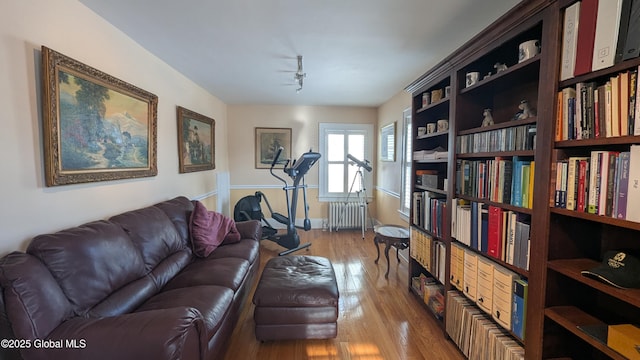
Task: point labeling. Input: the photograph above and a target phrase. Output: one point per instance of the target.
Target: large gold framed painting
(96, 127)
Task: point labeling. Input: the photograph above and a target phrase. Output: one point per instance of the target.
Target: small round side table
(390, 235)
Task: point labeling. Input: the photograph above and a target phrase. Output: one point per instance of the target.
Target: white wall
(28, 206)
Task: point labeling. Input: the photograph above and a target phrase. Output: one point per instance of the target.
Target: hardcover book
(569, 41)
(606, 38)
(586, 36)
(633, 191)
(519, 314)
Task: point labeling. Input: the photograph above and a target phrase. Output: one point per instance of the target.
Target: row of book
(475, 334)
(598, 34)
(491, 230)
(507, 139)
(437, 153)
(429, 253)
(597, 110)
(494, 289)
(429, 210)
(503, 180)
(604, 183)
(431, 291)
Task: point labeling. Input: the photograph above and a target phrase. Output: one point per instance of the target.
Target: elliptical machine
(248, 208)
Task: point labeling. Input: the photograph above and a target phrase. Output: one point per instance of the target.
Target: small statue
(500, 67)
(488, 118)
(525, 111)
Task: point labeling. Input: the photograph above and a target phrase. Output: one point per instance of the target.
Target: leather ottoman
(296, 298)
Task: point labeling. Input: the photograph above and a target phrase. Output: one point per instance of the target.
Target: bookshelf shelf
(622, 66)
(437, 133)
(572, 268)
(430, 189)
(605, 141)
(519, 271)
(497, 204)
(502, 125)
(433, 161)
(495, 154)
(440, 102)
(526, 68)
(597, 218)
(570, 318)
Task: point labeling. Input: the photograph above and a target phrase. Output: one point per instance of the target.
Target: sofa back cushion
(179, 211)
(34, 302)
(152, 232)
(89, 262)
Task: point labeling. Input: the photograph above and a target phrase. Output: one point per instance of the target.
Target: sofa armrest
(174, 333)
(250, 229)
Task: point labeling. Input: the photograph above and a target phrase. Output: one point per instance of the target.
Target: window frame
(334, 128)
(406, 164)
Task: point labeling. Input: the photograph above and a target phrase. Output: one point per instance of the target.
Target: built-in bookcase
(591, 210)
(488, 192)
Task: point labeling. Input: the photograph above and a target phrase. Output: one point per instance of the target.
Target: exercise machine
(248, 208)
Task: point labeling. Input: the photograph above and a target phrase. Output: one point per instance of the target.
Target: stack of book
(476, 334)
(508, 139)
(605, 183)
(429, 210)
(503, 180)
(598, 34)
(433, 154)
(493, 231)
(593, 110)
(429, 253)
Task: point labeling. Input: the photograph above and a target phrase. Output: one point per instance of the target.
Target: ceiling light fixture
(299, 75)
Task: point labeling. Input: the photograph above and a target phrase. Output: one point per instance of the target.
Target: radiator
(346, 215)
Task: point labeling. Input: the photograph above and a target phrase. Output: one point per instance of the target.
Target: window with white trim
(405, 159)
(339, 177)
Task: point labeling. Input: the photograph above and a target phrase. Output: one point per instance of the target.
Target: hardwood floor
(379, 319)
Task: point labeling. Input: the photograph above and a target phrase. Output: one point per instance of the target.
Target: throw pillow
(209, 230)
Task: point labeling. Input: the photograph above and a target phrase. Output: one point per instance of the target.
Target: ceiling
(355, 52)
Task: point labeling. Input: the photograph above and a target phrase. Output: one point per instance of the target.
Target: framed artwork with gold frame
(96, 127)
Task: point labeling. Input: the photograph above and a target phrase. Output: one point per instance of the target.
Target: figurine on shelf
(525, 111)
(488, 118)
(500, 67)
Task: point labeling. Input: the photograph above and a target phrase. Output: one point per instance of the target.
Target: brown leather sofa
(125, 288)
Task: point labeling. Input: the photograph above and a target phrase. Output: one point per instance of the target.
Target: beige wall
(28, 206)
(303, 120)
(388, 176)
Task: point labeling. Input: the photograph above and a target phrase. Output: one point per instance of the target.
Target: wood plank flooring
(379, 319)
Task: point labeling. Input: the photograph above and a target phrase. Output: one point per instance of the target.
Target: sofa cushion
(89, 262)
(125, 299)
(245, 249)
(209, 229)
(213, 302)
(179, 212)
(169, 267)
(34, 302)
(152, 232)
(227, 272)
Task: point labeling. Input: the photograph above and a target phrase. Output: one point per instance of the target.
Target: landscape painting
(97, 127)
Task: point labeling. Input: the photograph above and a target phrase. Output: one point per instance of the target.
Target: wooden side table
(391, 235)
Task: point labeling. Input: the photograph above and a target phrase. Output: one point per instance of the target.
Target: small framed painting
(196, 141)
(268, 141)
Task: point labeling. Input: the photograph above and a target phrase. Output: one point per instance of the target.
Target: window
(405, 159)
(339, 176)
